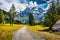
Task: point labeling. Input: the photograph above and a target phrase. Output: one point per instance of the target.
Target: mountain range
(37, 12)
(23, 16)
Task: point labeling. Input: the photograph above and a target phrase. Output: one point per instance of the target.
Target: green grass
(6, 31)
(58, 33)
(37, 27)
(48, 35)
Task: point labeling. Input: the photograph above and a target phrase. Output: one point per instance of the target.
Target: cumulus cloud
(20, 7)
(6, 5)
(49, 5)
(32, 4)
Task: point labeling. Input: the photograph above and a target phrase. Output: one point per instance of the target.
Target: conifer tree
(51, 17)
(31, 19)
(12, 14)
(1, 17)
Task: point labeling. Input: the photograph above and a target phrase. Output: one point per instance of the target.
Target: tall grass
(6, 31)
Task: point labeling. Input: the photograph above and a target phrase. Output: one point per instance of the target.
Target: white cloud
(19, 6)
(12, 1)
(49, 5)
(35, 3)
(31, 4)
(6, 5)
(49, 1)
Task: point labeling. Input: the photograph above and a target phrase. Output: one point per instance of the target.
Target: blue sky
(22, 1)
(21, 5)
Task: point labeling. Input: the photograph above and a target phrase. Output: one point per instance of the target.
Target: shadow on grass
(46, 30)
(50, 31)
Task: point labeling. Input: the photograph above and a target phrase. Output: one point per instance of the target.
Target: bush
(17, 22)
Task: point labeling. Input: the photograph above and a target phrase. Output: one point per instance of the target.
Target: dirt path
(25, 34)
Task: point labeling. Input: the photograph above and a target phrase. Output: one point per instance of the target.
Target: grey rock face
(56, 27)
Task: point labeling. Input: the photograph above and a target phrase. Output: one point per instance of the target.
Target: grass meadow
(48, 35)
(6, 31)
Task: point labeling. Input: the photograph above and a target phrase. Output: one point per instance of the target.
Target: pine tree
(51, 17)
(12, 14)
(1, 17)
(31, 19)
